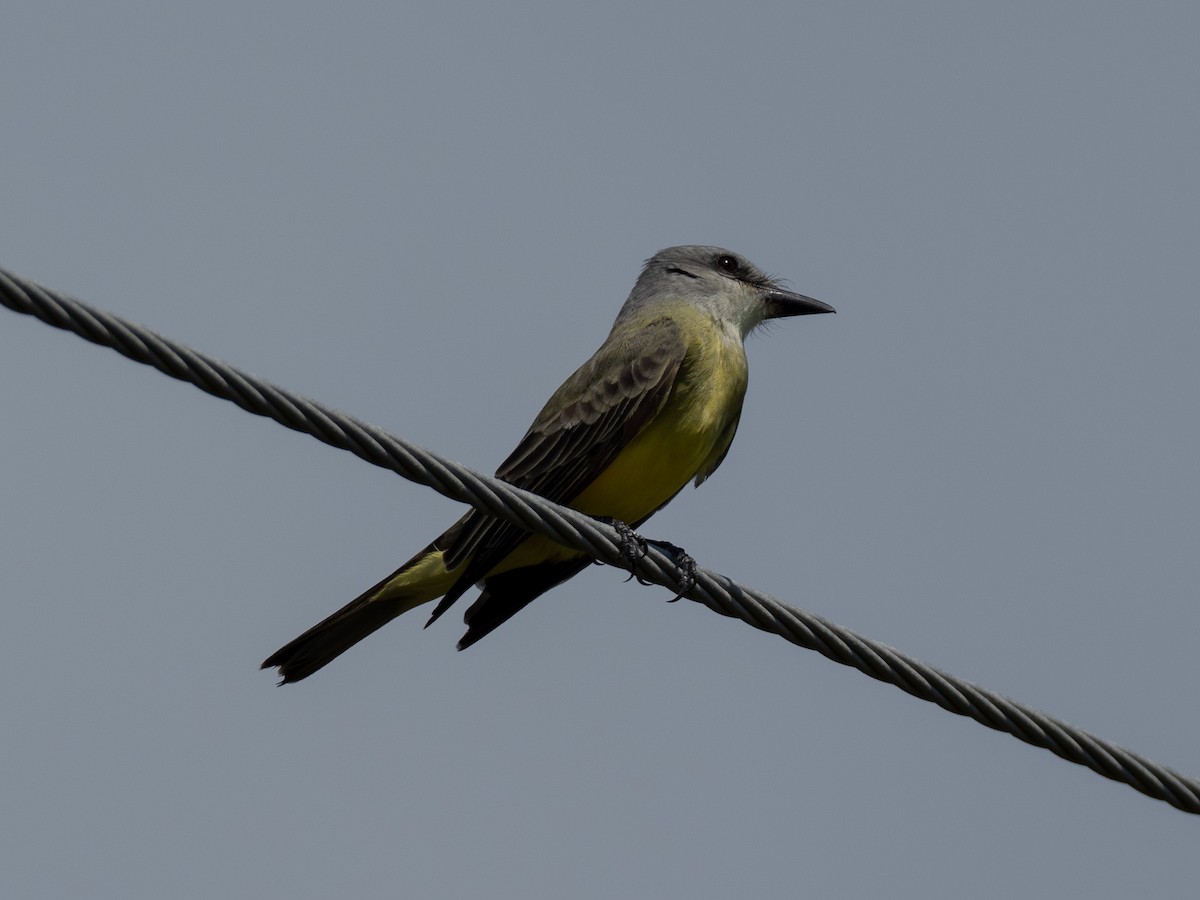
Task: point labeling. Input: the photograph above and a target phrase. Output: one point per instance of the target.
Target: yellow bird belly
(690, 433)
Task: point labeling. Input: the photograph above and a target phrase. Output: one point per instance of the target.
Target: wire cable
(600, 541)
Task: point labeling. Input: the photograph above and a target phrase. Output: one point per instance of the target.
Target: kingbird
(654, 408)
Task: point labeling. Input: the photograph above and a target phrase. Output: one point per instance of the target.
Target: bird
(656, 406)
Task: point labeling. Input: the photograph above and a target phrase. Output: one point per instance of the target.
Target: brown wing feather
(578, 433)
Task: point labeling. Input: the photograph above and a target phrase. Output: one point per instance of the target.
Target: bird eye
(729, 264)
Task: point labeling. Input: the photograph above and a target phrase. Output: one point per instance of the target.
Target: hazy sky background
(427, 215)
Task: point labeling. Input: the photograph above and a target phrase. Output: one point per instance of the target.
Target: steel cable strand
(953, 694)
(301, 414)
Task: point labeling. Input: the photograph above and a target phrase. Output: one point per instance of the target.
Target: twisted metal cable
(601, 541)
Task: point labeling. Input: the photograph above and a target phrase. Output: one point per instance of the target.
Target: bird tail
(508, 593)
(421, 579)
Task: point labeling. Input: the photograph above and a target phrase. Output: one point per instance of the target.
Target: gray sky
(428, 216)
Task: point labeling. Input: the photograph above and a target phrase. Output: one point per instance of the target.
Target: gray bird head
(723, 283)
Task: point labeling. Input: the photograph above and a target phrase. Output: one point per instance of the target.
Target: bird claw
(683, 562)
(633, 548)
(633, 545)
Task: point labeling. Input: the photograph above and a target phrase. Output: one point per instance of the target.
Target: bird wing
(581, 429)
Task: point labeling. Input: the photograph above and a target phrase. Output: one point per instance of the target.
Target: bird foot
(633, 548)
(683, 562)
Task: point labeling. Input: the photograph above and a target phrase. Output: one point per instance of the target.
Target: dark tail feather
(507, 594)
(329, 639)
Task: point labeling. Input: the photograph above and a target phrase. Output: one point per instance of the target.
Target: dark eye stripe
(679, 271)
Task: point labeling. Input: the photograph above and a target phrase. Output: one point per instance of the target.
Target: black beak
(781, 304)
